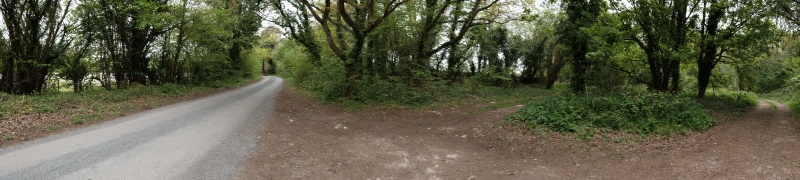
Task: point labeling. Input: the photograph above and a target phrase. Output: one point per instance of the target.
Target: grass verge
(789, 96)
(26, 117)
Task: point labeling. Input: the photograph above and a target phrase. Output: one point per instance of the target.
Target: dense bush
(502, 78)
(328, 79)
(643, 114)
(764, 77)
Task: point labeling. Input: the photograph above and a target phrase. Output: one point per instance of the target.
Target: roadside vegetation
(30, 116)
(64, 63)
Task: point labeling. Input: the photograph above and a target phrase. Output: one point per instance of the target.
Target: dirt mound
(309, 140)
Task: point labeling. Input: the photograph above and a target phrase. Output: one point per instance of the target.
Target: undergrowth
(789, 95)
(96, 100)
(327, 82)
(644, 114)
(727, 101)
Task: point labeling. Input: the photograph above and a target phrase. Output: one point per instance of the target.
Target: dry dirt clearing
(309, 140)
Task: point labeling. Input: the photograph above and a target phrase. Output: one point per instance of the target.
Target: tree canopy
(345, 48)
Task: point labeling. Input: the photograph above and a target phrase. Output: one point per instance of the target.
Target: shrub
(502, 78)
(644, 114)
(764, 77)
(727, 100)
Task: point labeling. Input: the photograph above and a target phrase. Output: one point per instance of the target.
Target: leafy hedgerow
(644, 114)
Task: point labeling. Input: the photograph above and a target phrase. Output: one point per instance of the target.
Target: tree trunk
(7, 81)
(706, 62)
(273, 69)
(34, 28)
(555, 63)
(264, 67)
(703, 76)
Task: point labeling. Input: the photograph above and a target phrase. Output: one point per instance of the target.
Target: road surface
(207, 138)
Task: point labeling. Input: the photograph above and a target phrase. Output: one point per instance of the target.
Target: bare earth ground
(309, 140)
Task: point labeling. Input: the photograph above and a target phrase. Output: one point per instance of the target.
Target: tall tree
(461, 20)
(660, 28)
(361, 18)
(788, 9)
(580, 14)
(294, 16)
(731, 31)
(170, 67)
(36, 39)
(247, 21)
(127, 30)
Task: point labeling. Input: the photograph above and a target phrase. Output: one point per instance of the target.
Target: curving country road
(207, 138)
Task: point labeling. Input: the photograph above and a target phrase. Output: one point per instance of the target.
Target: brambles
(646, 114)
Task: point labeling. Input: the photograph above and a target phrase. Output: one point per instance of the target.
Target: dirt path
(309, 140)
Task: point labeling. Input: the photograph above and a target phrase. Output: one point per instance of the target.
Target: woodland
(118, 44)
(643, 66)
(640, 66)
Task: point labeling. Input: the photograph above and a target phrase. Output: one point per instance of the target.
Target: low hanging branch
(360, 24)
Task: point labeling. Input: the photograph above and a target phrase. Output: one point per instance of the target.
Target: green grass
(85, 118)
(772, 105)
(8, 137)
(787, 95)
(76, 119)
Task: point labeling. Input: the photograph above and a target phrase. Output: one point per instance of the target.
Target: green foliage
(8, 137)
(645, 114)
(76, 119)
(252, 63)
(605, 78)
(789, 95)
(503, 78)
(327, 80)
(31, 43)
(374, 89)
(581, 14)
(728, 101)
(764, 77)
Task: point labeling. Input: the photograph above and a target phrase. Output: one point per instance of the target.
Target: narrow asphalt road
(207, 138)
